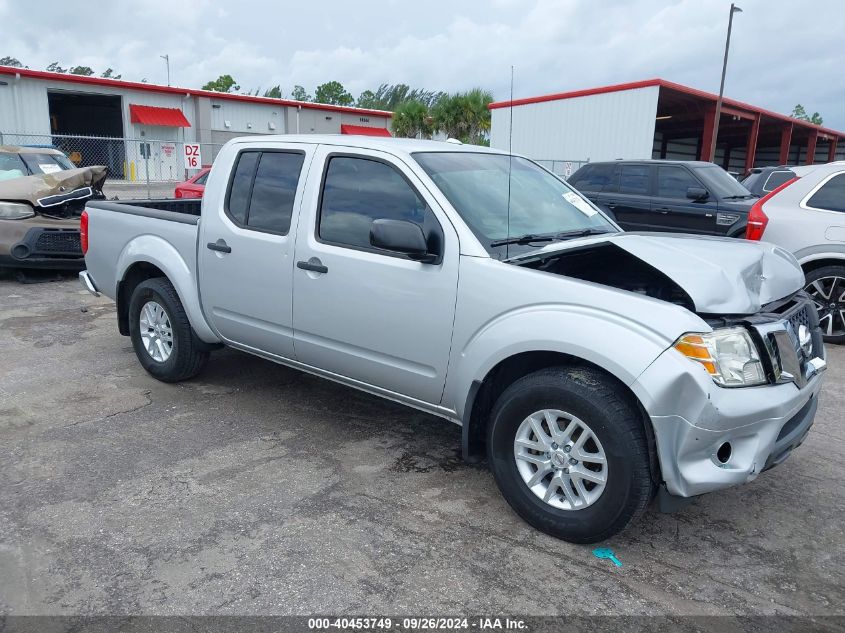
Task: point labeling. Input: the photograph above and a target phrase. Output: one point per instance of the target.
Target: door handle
(314, 265)
(611, 205)
(220, 246)
(663, 210)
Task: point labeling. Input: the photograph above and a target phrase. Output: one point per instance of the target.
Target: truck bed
(184, 211)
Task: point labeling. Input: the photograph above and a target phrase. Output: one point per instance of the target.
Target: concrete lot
(256, 489)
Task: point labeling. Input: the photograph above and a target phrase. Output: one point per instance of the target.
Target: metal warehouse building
(138, 128)
(657, 119)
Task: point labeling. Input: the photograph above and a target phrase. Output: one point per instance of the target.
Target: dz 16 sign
(193, 159)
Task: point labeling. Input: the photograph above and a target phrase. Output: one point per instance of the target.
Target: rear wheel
(826, 287)
(569, 454)
(161, 334)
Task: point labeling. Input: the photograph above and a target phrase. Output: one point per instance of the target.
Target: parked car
(666, 195)
(194, 186)
(39, 213)
(806, 216)
(762, 180)
(595, 367)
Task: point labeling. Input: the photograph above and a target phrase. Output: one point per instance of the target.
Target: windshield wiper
(740, 197)
(528, 238)
(565, 235)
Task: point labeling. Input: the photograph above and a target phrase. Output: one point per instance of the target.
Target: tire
(829, 298)
(185, 357)
(588, 396)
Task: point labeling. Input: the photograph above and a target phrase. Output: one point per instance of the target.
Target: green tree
(10, 61)
(274, 93)
(798, 112)
(55, 68)
(81, 70)
(367, 99)
(224, 83)
(464, 116)
(412, 119)
(109, 74)
(391, 96)
(298, 94)
(333, 93)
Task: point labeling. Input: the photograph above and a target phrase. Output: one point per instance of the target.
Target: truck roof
(406, 145)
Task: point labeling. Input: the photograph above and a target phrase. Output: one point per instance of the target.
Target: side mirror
(401, 236)
(697, 193)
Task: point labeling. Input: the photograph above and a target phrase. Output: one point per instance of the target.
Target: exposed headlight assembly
(15, 211)
(729, 355)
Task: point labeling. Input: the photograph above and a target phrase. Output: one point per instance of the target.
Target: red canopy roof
(364, 130)
(151, 115)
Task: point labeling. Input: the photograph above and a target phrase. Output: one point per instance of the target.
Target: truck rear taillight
(83, 232)
(757, 219)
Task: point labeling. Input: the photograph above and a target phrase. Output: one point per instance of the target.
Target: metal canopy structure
(684, 121)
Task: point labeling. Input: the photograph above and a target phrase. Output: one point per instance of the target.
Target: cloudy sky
(782, 52)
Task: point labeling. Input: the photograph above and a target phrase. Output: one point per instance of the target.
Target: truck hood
(720, 275)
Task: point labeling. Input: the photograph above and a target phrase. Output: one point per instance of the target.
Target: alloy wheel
(828, 293)
(156, 331)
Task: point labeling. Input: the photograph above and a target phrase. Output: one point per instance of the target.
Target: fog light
(20, 251)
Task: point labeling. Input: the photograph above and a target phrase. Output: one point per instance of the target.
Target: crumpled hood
(721, 275)
(33, 188)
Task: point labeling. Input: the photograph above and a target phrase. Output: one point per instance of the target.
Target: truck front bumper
(709, 437)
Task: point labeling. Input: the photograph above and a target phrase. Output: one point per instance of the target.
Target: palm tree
(411, 119)
(464, 116)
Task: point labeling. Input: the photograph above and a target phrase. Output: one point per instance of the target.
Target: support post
(707, 135)
(831, 150)
(785, 142)
(811, 147)
(751, 145)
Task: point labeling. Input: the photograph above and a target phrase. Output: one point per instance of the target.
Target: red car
(193, 187)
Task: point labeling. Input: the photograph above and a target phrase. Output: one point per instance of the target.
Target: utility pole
(734, 9)
(166, 59)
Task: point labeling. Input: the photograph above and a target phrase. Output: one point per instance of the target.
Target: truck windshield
(531, 210)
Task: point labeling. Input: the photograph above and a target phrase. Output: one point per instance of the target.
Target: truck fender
(618, 345)
(154, 250)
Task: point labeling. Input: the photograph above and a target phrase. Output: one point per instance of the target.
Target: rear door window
(830, 196)
(11, 166)
(595, 178)
(634, 179)
(673, 182)
(263, 189)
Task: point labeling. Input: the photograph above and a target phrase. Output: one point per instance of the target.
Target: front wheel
(570, 454)
(826, 287)
(161, 334)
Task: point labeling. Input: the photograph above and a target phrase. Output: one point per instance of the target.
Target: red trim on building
(134, 85)
(811, 148)
(785, 142)
(749, 110)
(364, 130)
(751, 144)
(707, 133)
(831, 150)
(152, 115)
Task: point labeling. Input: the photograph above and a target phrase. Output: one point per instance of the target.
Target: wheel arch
(482, 397)
(809, 266)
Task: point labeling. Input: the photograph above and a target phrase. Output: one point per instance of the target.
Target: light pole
(734, 9)
(166, 59)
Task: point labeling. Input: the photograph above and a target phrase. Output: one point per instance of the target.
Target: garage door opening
(86, 127)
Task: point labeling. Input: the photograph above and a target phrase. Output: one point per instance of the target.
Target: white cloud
(555, 45)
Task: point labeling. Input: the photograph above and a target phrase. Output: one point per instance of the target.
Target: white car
(806, 216)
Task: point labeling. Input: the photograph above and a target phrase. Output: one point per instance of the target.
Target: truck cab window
(357, 191)
(263, 190)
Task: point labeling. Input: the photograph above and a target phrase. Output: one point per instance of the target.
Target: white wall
(594, 127)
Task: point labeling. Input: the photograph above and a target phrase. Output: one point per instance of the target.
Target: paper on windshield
(49, 168)
(579, 203)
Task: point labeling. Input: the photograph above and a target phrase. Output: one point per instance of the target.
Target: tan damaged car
(42, 195)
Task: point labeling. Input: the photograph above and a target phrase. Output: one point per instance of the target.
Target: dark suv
(762, 180)
(666, 195)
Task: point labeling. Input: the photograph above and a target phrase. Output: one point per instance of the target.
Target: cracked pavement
(256, 489)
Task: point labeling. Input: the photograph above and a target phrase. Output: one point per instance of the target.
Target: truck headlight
(15, 211)
(729, 355)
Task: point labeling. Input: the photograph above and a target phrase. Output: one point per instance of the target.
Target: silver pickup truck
(596, 368)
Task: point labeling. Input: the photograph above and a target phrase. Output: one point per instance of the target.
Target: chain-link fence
(562, 168)
(128, 160)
